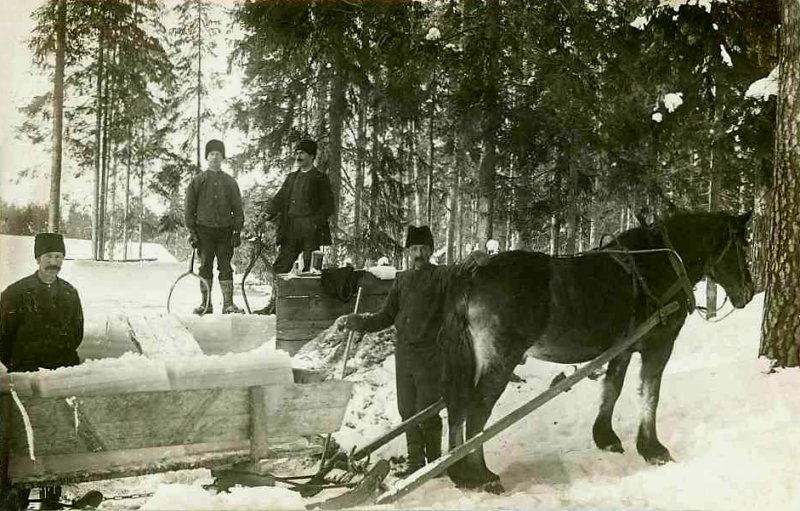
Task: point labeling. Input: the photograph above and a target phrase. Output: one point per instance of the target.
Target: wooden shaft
(404, 426)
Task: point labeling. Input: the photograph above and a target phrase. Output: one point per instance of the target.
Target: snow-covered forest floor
(732, 427)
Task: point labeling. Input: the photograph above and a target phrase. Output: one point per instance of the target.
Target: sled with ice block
(303, 309)
(172, 409)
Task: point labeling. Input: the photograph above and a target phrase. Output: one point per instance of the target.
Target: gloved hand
(194, 239)
(236, 239)
(479, 257)
(351, 322)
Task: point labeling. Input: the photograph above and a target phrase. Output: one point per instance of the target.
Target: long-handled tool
(190, 271)
(317, 478)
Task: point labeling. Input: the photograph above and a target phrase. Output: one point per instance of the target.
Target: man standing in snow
(304, 203)
(41, 326)
(214, 217)
(415, 305)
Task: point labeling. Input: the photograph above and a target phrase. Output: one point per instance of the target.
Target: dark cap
(215, 145)
(307, 146)
(46, 242)
(419, 236)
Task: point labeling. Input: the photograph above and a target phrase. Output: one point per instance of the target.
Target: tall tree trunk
(361, 163)
(127, 207)
(54, 216)
(199, 80)
(416, 196)
(572, 200)
(98, 155)
(141, 205)
(338, 106)
(431, 153)
(487, 171)
(760, 227)
(113, 217)
(781, 322)
(713, 201)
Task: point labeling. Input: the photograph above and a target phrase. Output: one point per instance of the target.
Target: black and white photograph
(400, 254)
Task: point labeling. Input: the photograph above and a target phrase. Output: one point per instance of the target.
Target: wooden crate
(303, 309)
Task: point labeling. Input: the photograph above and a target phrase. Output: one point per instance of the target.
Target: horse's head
(728, 263)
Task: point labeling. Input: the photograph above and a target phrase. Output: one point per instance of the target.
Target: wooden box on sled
(169, 415)
(303, 308)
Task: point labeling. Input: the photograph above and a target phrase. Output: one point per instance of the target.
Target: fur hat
(46, 242)
(307, 146)
(419, 236)
(215, 145)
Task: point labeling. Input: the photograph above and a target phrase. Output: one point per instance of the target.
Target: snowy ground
(732, 428)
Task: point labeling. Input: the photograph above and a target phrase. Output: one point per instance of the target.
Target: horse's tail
(457, 346)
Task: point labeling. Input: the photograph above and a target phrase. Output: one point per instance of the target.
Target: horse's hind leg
(472, 471)
(603, 431)
(654, 358)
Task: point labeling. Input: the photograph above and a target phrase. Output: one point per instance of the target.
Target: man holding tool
(415, 307)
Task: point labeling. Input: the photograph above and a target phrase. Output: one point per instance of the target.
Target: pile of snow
(180, 497)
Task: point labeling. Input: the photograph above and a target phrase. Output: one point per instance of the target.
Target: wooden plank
(129, 421)
(259, 427)
(162, 337)
(307, 409)
(311, 286)
(304, 308)
(79, 467)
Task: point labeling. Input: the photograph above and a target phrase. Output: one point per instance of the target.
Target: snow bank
(177, 497)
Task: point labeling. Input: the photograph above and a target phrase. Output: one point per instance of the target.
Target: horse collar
(680, 271)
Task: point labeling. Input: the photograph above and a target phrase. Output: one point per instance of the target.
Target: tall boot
(416, 451)
(270, 307)
(228, 307)
(206, 296)
(432, 432)
(50, 497)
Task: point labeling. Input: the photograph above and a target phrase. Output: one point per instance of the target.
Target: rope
(25, 419)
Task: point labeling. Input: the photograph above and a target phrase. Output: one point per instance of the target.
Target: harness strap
(680, 270)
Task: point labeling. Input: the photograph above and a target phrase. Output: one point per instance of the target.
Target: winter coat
(415, 305)
(213, 199)
(320, 197)
(40, 329)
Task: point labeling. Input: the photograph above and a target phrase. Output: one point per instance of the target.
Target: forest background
(543, 125)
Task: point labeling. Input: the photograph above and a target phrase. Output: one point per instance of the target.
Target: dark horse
(570, 310)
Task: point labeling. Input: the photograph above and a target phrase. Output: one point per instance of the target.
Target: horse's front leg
(603, 432)
(654, 359)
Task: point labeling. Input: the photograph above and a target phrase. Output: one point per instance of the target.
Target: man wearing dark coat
(41, 325)
(415, 305)
(303, 205)
(214, 218)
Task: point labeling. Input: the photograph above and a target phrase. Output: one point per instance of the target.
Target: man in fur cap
(415, 306)
(303, 205)
(41, 326)
(214, 217)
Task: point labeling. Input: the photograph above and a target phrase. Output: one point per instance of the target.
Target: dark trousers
(215, 242)
(418, 379)
(301, 238)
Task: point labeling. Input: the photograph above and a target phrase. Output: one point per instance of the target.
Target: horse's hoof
(494, 487)
(617, 447)
(656, 455)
